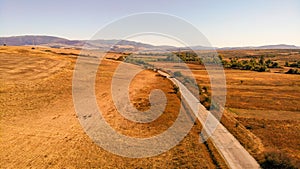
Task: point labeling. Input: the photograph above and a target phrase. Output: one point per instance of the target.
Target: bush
(188, 80)
(205, 89)
(200, 89)
(176, 89)
(277, 160)
(293, 71)
(287, 64)
(296, 64)
(262, 69)
(177, 74)
(275, 65)
(249, 127)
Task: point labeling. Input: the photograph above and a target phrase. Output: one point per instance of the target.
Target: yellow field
(39, 126)
(264, 104)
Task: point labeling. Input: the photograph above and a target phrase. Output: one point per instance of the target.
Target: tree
(220, 57)
(287, 64)
(293, 71)
(261, 60)
(268, 62)
(262, 68)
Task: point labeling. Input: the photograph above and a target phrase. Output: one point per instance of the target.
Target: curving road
(234, 154)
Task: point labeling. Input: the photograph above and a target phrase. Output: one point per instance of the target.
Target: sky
(224, 22)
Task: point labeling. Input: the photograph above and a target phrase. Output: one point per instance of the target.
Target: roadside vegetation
(276, 160)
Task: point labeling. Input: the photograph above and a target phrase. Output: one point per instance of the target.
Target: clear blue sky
(223, 22)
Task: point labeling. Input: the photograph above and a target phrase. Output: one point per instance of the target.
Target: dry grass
(262, 107)
(38, 124)
(276, 54)
(265, 104)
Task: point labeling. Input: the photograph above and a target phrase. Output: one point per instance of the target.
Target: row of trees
(138, 61)
(260, 65)
(192, 57)
(186, 56)
(295, 64)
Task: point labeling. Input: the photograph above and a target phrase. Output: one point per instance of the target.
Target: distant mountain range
(279, 46)
(114, 45)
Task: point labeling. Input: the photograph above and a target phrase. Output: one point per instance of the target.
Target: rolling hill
(115, 45)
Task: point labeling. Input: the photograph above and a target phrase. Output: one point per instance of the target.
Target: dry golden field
(39, 126)
(276, 54)
(262, 110)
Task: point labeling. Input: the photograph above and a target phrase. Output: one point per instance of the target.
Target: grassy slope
(38, 125)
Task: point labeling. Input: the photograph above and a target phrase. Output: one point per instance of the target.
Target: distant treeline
(186, 56)
(260, 65)
(253, 63)
(192, 57)
(295, 64)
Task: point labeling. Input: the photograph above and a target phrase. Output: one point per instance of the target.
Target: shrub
(200, 89)
(295, 64)
(188, 80)
(287, 64)
(275, 65)
(205, 89)
(177, 74)
(293, 71)
(237, 124)
(176, 89)
(249, 127)
(277, 160)
(262, 69)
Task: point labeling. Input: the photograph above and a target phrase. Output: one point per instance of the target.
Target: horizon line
(149, 43)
